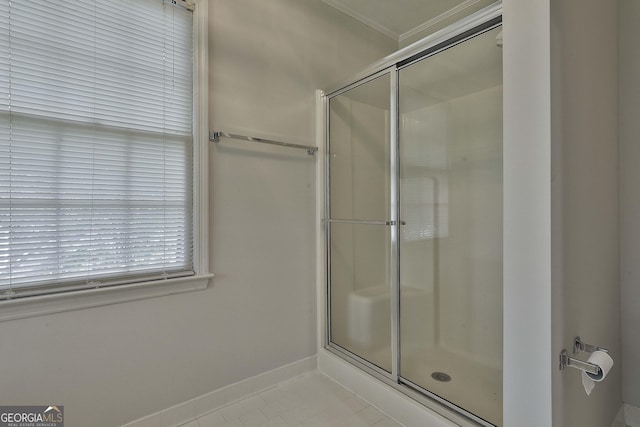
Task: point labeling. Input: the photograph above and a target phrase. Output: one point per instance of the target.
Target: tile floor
(310, 400)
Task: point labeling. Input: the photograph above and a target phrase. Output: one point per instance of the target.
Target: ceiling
(401, 19)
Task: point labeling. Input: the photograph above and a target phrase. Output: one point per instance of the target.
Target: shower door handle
(357, 221)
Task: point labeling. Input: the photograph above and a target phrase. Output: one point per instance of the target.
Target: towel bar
(215, 137)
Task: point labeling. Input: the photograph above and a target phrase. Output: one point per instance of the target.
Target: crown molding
(337, 4)
(359, 17)
(438, 19)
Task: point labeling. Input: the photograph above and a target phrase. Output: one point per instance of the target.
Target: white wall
(267, 54)
(561, 207)
(528, 360)
(268, 57)
(113, 364)
(629, 74)
(585, 202)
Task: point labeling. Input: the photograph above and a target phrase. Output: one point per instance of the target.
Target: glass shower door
(450, 129)
(358, 224)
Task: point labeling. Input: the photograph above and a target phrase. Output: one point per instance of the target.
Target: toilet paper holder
(578, 346)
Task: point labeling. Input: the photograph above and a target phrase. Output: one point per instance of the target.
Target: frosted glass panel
(360, 294)
(451, 243)
(359, 152)
(360, 306)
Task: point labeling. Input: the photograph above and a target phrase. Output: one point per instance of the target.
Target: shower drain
(441, 376)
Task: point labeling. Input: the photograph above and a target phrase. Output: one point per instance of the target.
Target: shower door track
(465, 29)
(441, 406)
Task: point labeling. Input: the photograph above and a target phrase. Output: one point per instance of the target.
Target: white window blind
(424, 207)
(95, 143)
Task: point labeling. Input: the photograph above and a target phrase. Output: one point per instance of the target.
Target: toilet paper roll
(605, 362)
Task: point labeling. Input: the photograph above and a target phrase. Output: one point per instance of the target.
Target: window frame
(18, 308)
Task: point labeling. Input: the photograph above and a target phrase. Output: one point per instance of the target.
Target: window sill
(68, 301)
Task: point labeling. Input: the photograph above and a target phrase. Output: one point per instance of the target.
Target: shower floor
(475, 387)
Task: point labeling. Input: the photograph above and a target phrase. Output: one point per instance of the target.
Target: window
(425, 207)
(96, 144)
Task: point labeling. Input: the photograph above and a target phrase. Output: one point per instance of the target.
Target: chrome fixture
(578, 346)
(215, 137)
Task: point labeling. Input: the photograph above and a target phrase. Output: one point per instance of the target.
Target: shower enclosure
(414, 219)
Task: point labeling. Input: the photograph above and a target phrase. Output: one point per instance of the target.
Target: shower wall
(474, 306)
(460, 169)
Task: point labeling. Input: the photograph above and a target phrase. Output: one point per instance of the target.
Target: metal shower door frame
(463, 30)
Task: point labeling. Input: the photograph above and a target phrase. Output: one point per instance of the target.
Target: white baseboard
(619, 421)
(202, 405)
(631, 415)
(395, 404)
